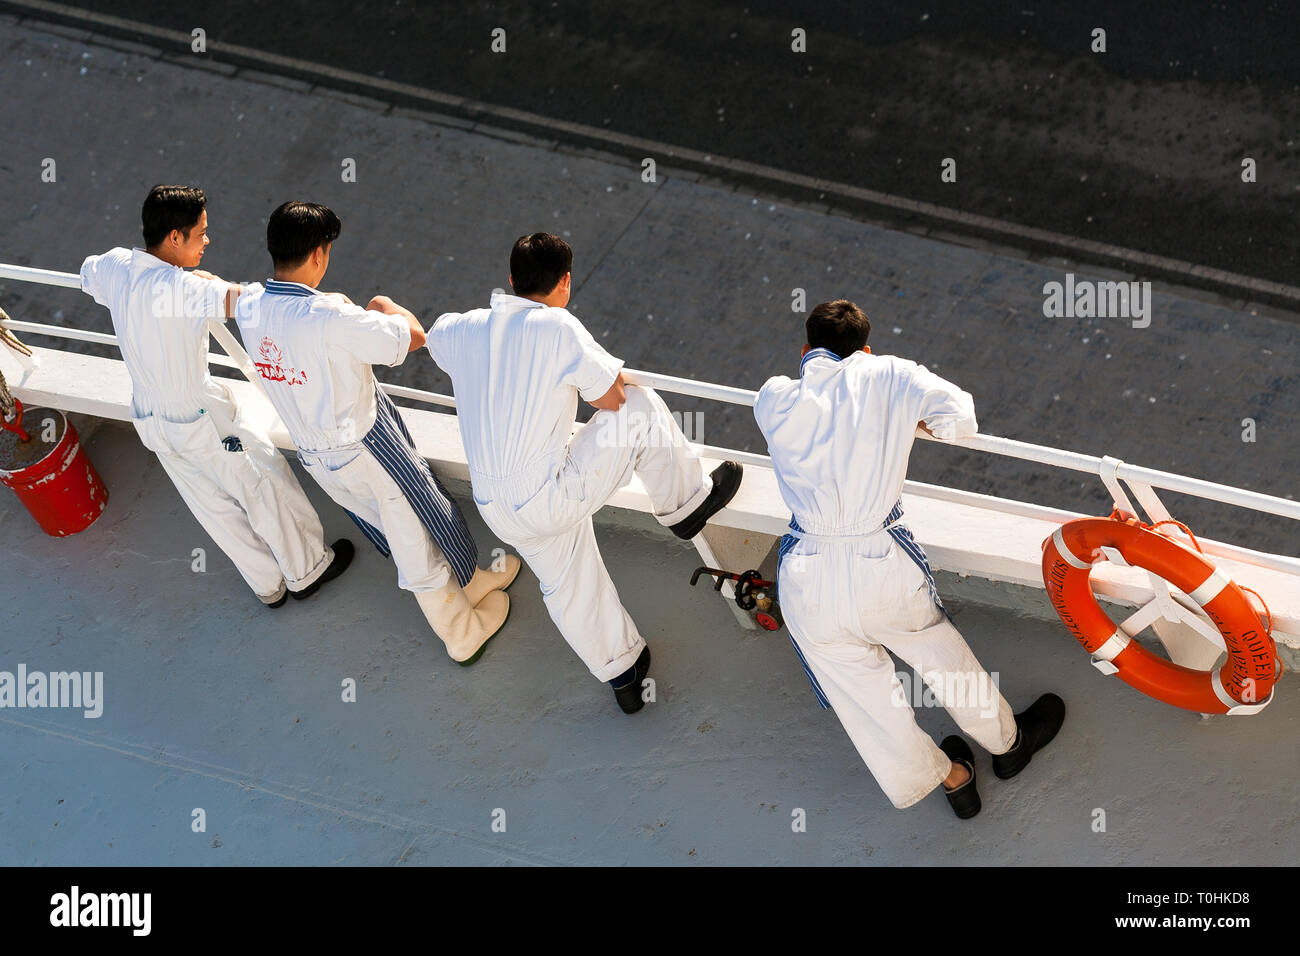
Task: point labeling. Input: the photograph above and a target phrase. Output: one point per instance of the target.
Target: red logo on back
(271, 367)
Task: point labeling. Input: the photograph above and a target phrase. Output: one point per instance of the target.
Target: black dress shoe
(280, 603)
(629, 694)
(1035, 729)
(343, 552)
(964, 800)
(726, 482)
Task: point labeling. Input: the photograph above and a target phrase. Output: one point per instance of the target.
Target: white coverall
(518, 369)
(314, 353)
(247, 500)
(840, 436)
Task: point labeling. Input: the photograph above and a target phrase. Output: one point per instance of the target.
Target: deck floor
(213, 702)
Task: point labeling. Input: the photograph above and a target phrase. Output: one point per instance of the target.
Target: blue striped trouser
(902, 536)
(391, 444)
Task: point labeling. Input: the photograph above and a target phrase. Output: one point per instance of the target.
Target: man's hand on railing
(613, 399)
(382, 303)
(233, 289)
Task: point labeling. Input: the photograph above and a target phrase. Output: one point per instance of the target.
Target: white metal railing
(1111, 470)
(68, 280)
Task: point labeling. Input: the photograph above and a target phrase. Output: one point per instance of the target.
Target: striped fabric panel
(278, 287)
(788, 542)
(902, 535)
(391, 444)
(817, 353)
(373, 534)
(812, 678)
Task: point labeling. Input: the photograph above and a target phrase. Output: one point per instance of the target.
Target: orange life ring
(1252, 667)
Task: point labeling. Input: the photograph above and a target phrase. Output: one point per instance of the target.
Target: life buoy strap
(1066, 554)
(1216, 682)
(1112, 647)
(1210, 588)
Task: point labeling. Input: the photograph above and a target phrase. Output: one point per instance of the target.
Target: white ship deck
(212, 701)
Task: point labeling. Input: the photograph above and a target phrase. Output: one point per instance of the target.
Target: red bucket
(50, 472)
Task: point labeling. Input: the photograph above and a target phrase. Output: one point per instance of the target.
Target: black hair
(839, 326)
(538, 263)
(296, 228)
(170, 207)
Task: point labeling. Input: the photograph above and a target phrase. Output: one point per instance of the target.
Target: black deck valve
(752, 594)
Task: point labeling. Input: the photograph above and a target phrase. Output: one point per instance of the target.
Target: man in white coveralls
(314, 352)
(238, 486)
(518, 370)
(854, 584)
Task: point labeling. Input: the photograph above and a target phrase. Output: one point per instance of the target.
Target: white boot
(463, 627)
(484, 582)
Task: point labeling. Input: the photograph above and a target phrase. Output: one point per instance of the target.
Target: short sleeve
(205, 299)
(248, 306)
(438, 341)
(98, 274)
(375, 338)
(763, 402)
(948, 411)
(90, 282)
(582, 362)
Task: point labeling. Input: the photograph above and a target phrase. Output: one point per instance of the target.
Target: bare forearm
(949, 427)
(233, 290)
(382, 303)
(613, 399)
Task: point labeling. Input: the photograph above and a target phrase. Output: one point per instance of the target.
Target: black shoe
(964, 800)
(343, 552)
(629, 695)
(1035, 729)
(280, 603)
(726, 482)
